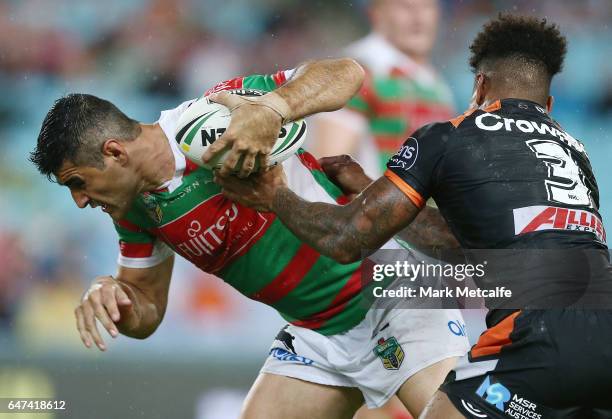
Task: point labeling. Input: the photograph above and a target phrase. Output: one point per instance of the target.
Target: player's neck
(494, 96)
(157, 164)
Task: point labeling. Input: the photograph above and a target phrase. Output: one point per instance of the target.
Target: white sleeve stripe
(289, 73)
(161, 252)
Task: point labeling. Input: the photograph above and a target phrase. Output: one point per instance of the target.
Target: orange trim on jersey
(413, 195)
(495, 106)
(494, 339)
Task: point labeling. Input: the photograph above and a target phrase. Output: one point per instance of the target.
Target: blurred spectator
(402, 91)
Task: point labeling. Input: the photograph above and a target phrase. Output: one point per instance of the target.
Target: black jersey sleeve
(414, 169)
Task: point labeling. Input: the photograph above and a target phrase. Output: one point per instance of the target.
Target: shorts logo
(494, 393)
(286, 339)
(456, 328)
(284, 355)
(390, 353)
(407, 155)
(472, 410)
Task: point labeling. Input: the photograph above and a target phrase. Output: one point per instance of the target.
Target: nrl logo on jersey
(152, 207)
(390, 353)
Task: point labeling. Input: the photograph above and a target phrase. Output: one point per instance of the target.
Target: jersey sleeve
(363, 101)
(138, 248)
(414, 169)
(265, 82)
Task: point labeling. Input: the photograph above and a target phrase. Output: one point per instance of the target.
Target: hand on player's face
(252, 132)
(103, 301)
(346, 173)
(256, 191)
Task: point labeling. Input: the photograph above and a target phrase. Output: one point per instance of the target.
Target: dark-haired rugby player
(505, 175)
(336, 351)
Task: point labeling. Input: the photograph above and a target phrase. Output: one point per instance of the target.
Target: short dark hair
(74, 130)
(525, 40)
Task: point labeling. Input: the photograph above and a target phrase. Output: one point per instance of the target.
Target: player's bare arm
(340, 232)
(317, 86)
(428, 230)
(132, 303)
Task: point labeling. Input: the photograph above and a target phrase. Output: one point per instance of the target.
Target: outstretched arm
(317, 86)
(340, 232)
(132, 303)
(428, 230)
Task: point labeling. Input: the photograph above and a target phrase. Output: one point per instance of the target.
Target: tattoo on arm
(344, 232)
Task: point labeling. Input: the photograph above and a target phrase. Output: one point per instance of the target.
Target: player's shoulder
(434, 130)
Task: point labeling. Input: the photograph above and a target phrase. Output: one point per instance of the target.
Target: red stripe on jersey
(235, 83)
(310, 161)
(279, 78)
(136, 250)
(343, 200)
(290, 277)
(189, 167)
(129, 226)
(352, 287)
(390, 143)
(440, 111)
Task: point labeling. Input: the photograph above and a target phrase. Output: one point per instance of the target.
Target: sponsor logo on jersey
(390, 353)
(284, 355)
(491, 122)
(456, 327)
(541, 217)
(214, 232)
(191, 187)
(498, 395)
(406, 156)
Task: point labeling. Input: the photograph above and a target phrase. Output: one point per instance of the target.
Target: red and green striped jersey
(398, 95)
(254, 252)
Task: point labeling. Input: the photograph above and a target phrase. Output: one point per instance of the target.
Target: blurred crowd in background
(150, 55)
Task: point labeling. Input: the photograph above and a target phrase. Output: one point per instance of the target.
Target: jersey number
(565, 183)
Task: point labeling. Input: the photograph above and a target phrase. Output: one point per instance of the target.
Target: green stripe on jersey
(388, 126)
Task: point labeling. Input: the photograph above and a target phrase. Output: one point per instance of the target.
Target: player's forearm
(428, 231)
(145, 314)
(327, 228)
(321, 86)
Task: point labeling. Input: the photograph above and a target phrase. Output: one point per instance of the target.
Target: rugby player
(505, 175)
(335, 352)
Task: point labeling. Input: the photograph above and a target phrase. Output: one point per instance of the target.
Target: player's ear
(115, 150)
(549, 104)
(481, 88)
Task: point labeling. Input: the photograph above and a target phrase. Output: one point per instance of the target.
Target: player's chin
(116, 213)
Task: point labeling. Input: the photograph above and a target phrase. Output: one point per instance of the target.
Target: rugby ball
(203, 122)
